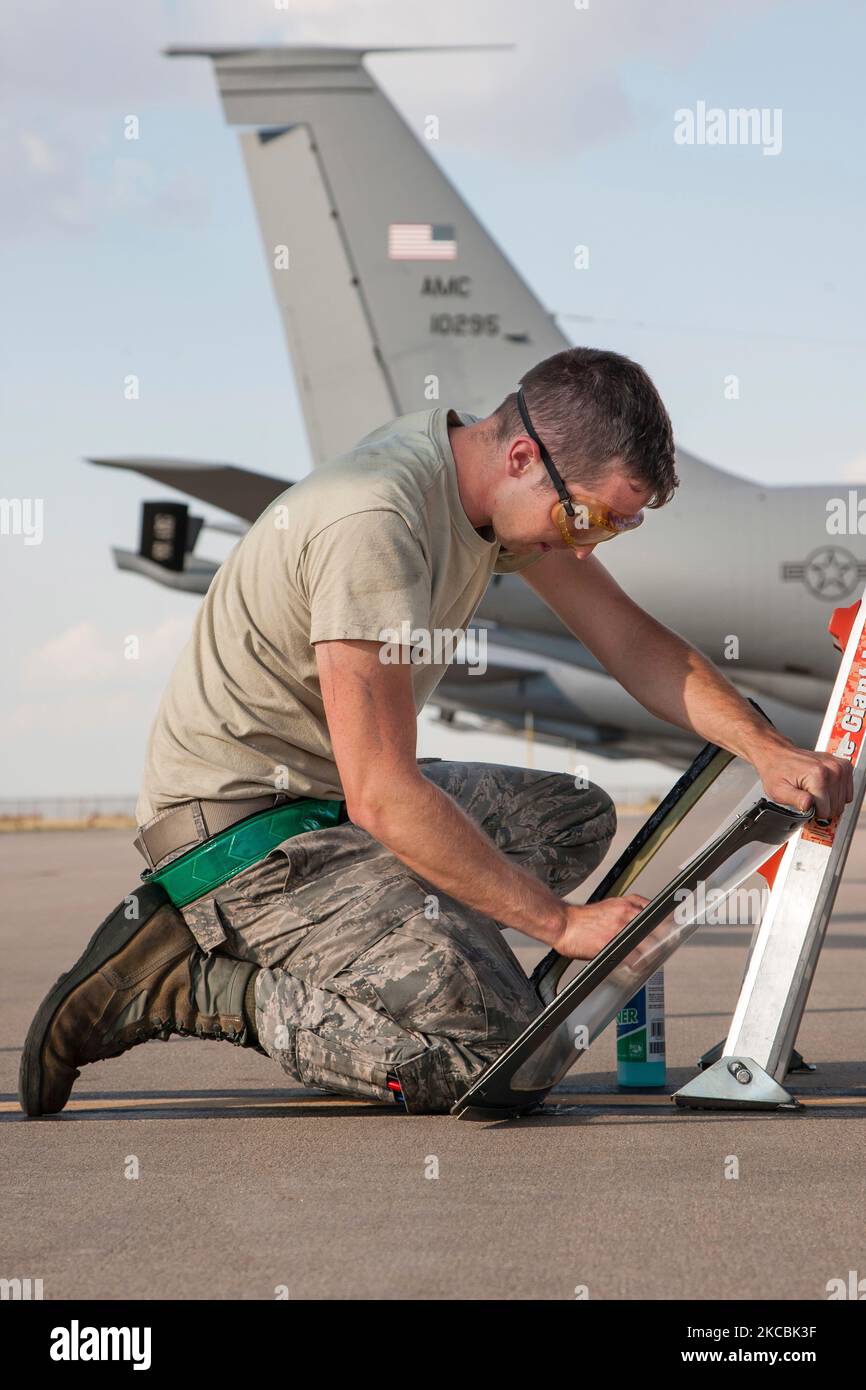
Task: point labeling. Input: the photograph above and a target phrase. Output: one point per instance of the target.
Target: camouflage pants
(367, 970)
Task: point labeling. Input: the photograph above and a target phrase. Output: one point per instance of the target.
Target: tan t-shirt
(371, 541)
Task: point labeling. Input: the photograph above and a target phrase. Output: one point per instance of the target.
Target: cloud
(37, 153)
(79, 715)
(69, 183)
(78, 654)
(81, 712)
(85, 654)
(70, 70)
(563, 88)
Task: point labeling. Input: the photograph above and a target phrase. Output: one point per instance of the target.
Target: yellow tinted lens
(560, 516)
(574, 533)
(591, 525)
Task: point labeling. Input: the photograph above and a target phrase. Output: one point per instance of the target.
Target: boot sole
(115, 932)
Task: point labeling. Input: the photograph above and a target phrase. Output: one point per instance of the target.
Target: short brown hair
(590, 407)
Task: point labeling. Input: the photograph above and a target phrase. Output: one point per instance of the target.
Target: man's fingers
(631, 904)
(804, 779)
(845, 785)
(832, 779)
(636, 901)
(639, 954)
(818, 784)
(823, 807)
(828, 787)
(836, 780)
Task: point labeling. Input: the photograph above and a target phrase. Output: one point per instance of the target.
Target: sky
(706, 262)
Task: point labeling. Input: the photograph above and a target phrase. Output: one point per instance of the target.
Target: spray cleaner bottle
(640, 1036)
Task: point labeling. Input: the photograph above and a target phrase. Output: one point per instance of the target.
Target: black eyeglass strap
(552, 471)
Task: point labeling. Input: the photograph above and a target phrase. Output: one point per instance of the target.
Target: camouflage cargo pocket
(421, 980)
(322, 1063)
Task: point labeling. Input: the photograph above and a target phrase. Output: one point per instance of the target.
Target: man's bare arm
(371, 718)
(676, 682)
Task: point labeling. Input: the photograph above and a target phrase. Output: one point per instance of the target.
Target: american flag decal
(421, 241)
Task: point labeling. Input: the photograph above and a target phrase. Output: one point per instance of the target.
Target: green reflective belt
(210, 864)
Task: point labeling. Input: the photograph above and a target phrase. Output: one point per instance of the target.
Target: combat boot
(142, 976)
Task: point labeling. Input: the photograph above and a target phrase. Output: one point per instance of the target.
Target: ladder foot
(735, 1083)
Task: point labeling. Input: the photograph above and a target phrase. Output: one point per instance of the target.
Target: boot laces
(166, 1028)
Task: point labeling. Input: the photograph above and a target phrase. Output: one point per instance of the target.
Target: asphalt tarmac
(249, 1187)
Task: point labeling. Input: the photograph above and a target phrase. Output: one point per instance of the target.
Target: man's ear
(521, 456)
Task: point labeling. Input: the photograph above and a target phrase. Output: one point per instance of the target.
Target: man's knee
(434, 1080)
(468, 1000)
(576, 835)
(596, 818)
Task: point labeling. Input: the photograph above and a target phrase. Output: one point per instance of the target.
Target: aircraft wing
(194, 578)
(240, 491)
(572, 697)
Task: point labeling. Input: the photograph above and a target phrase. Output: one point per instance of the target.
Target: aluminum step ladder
(759, 1048)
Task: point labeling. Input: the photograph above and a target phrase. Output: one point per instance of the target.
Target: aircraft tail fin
(392, 294)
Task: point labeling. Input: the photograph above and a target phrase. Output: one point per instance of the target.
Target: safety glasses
(584, 520)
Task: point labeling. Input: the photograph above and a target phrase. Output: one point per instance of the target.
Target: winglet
(841, 623)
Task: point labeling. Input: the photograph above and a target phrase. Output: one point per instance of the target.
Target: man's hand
(800, 777)
(587, 929)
